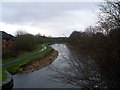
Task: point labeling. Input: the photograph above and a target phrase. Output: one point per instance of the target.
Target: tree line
(28, 42)
(25, 41)
(102, 42)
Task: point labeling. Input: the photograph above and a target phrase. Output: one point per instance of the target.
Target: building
(7, 42)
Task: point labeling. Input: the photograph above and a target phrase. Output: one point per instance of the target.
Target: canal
(45, 77)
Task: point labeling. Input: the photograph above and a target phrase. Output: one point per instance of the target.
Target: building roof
(7, 36)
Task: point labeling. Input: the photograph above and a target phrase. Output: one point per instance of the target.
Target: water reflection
(43, 78)
(64, 64)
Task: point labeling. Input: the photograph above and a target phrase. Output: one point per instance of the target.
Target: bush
(104, 49)
(25, 42)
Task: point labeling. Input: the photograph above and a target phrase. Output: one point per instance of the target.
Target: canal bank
(46, 56)
(39, 63)
(46, 77)
(8, 83)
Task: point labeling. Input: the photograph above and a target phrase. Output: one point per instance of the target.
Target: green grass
(0, 75)
(24, 53)
(15, 66)
(4, 75)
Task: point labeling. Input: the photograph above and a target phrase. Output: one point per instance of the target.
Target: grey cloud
(23, 12)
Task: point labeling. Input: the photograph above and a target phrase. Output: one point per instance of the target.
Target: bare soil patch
(39, 62)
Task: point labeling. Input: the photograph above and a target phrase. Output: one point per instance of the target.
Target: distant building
(7, 42)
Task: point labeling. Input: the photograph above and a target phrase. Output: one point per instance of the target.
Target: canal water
(45, 77)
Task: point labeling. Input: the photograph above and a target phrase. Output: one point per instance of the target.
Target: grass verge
(23, 53)
(4, 75)
(12, 68)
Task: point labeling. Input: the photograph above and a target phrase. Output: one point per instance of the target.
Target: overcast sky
(47, 18)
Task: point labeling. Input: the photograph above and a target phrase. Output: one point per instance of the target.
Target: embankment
(39, 62)
(8, 83)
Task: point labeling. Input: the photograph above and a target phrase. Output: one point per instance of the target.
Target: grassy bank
(13, 68)
(39, 63)
(22, 54)
(4, 76)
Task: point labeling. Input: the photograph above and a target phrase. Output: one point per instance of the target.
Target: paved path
(25, 57)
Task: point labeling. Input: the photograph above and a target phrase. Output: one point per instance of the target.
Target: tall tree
(110, 15)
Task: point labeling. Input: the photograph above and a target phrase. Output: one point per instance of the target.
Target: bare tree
(90, 29)
(81, 71)
(109, 16)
